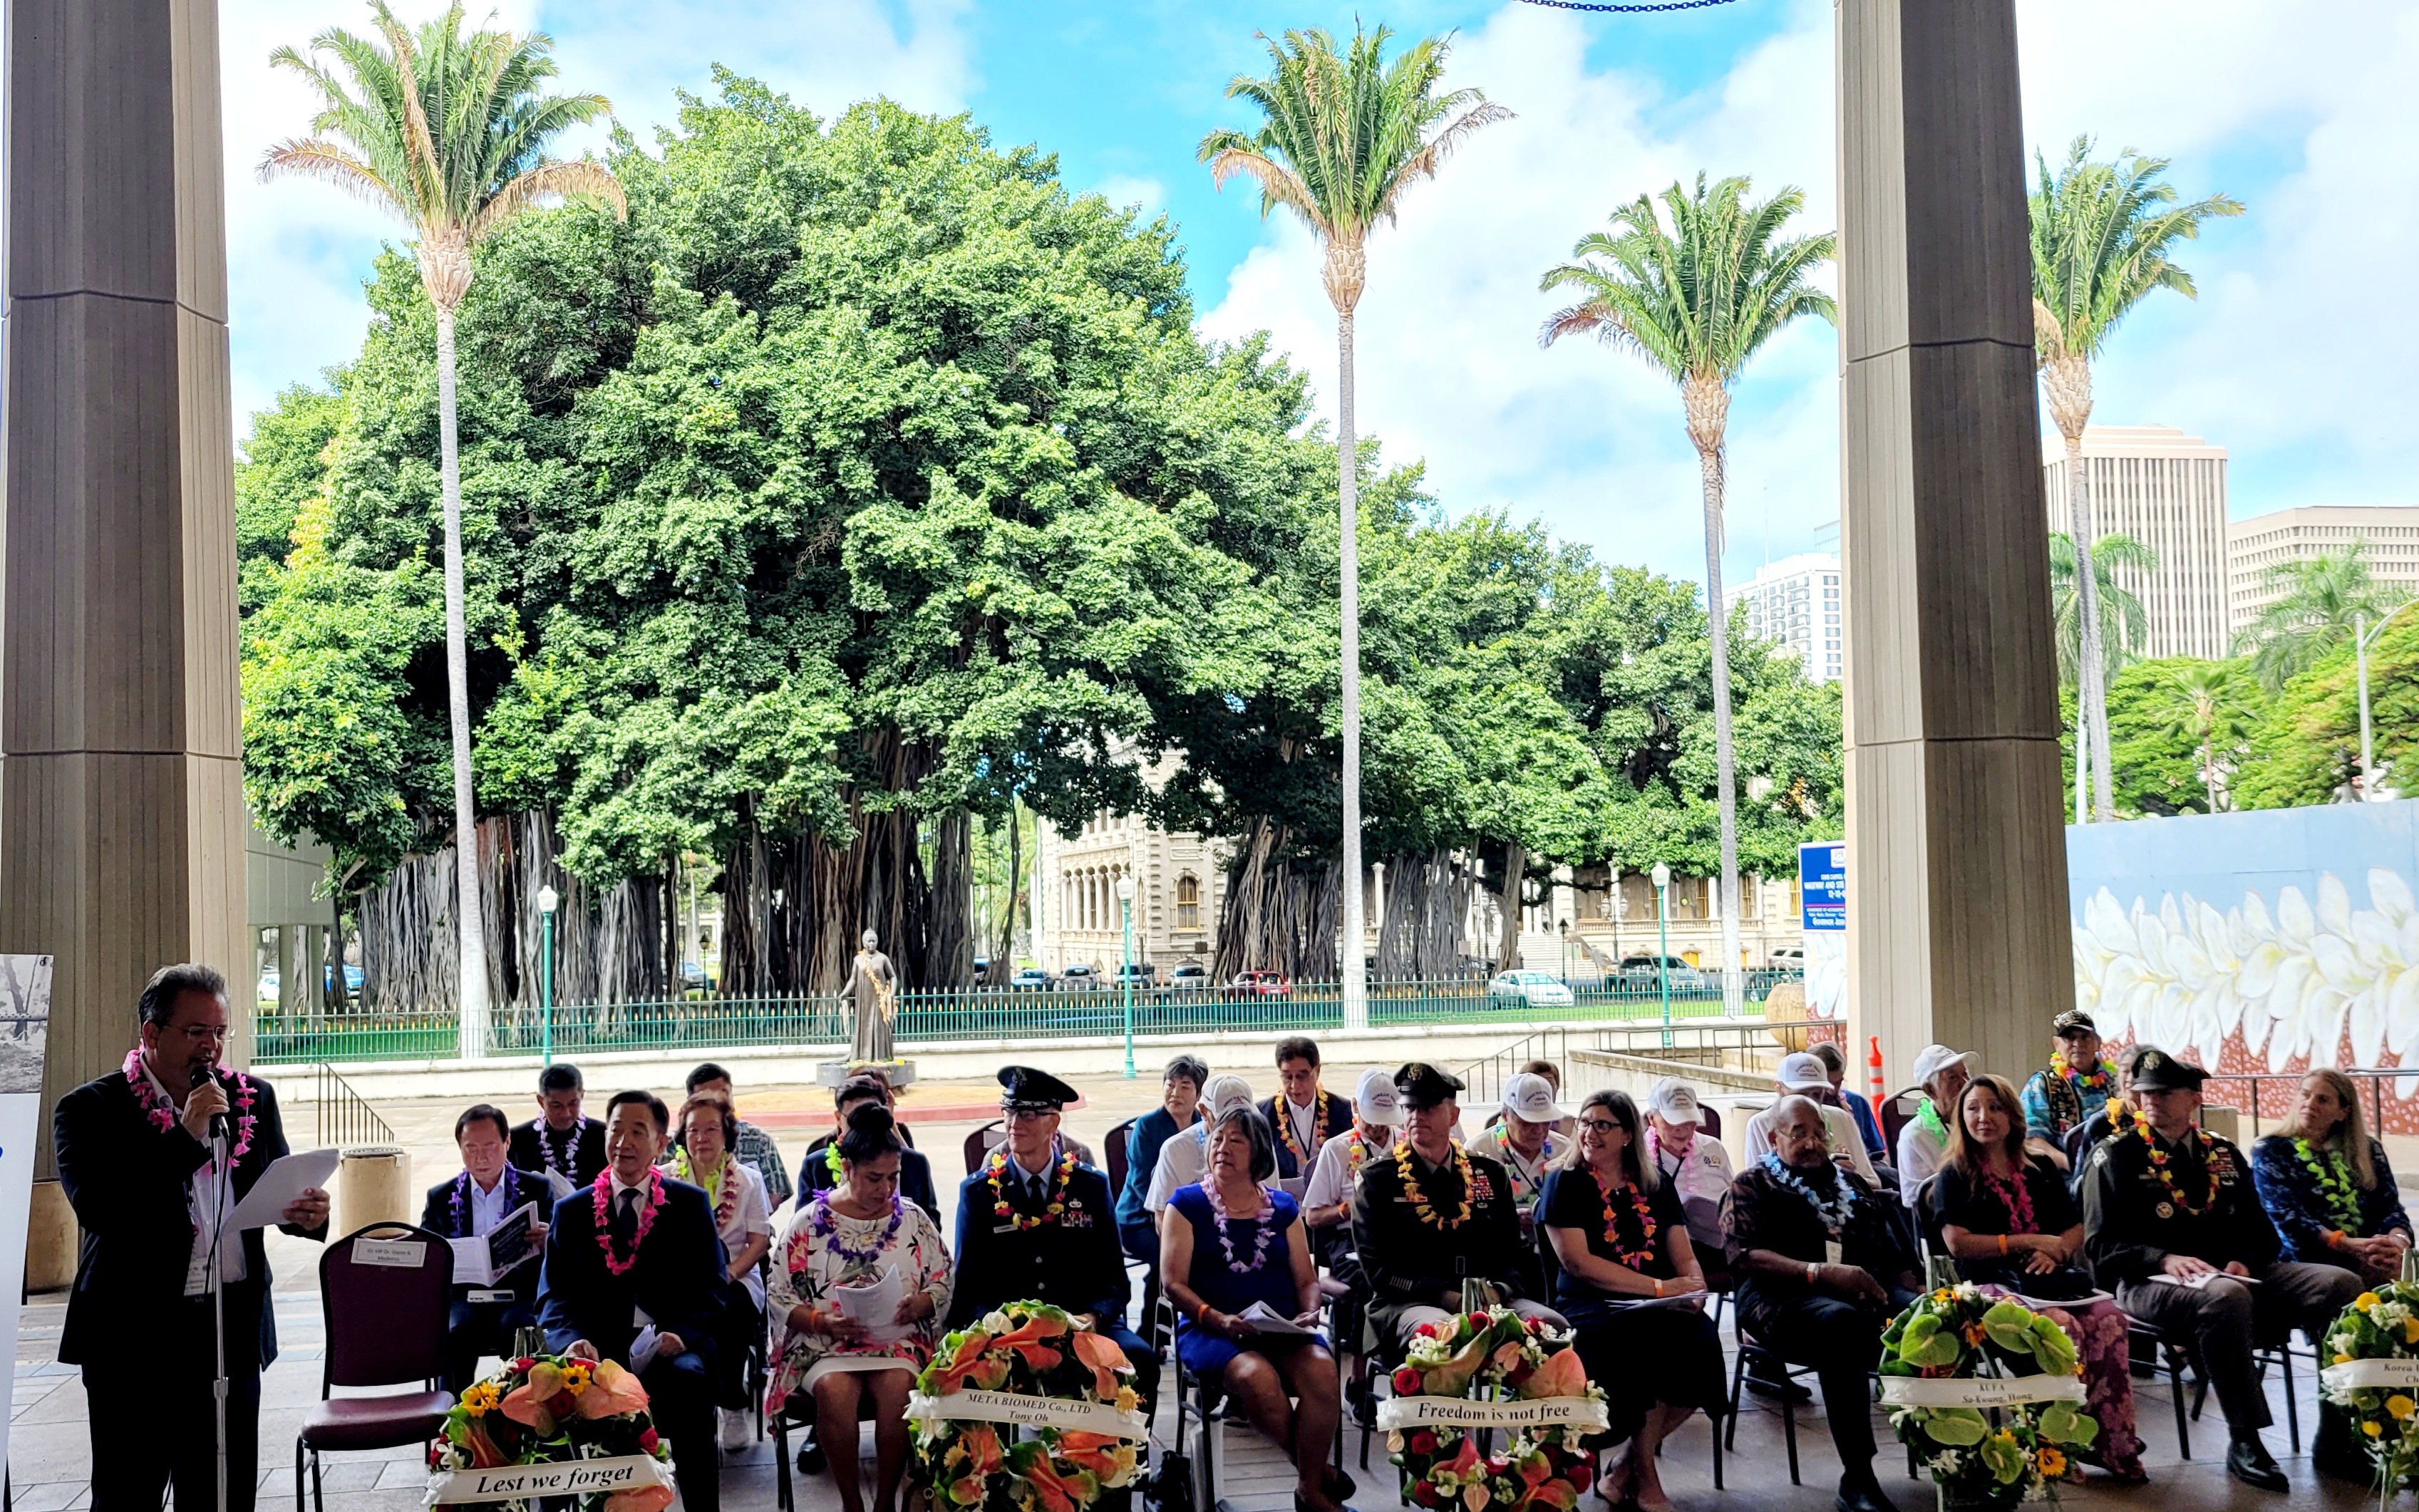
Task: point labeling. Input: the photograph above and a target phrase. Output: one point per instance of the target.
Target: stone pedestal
(899, 1074)
(373, 1185)
(121, 800)
(50, 1239)
(1957, 912)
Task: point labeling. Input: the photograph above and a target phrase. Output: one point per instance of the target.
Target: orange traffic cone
(1878, 1088)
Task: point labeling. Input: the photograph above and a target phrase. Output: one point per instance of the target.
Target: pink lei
(162, 1116)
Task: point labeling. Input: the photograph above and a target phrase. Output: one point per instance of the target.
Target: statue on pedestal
(872, 991)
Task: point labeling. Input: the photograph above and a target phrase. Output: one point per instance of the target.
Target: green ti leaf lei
(2334, 1178)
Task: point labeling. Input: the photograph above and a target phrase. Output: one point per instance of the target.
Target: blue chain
(1675, 5)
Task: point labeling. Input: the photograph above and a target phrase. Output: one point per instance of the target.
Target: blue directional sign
(1823, 884)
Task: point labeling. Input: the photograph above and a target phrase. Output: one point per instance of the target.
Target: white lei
(1835, 1212)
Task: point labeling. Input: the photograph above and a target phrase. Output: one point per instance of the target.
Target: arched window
(1187, 902)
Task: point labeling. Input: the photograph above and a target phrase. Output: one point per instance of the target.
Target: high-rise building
(2168, 491)
(2392, 550)
(1795, 601)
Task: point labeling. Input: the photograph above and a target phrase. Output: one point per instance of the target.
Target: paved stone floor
(49, 1456)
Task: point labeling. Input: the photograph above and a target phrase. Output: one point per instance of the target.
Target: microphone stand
(218, 1295)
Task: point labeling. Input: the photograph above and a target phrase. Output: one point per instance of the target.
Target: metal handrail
(346, 1118)
(2375, 1076)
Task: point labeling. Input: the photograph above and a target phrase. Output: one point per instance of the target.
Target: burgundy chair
(386, 1327)
(979, 1145)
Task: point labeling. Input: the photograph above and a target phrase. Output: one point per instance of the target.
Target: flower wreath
(1964, 1332)
(2379, 1325)
(1493, 1353)
(1026, 1349)
(543, 1408)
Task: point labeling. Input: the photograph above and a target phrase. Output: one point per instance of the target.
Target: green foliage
(2124, 624)
(2168, 721)
(284, 461)
(2320, 602)
(2101, 234)
(2307, 745)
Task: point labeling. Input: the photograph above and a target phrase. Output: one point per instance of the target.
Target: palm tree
(1343, 137)
(1697, 302)
(2100, 234)
(2198, 701)
(2318, 602)
(449, 131)
(2124, 625)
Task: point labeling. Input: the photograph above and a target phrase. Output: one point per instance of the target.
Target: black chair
(1897, 1114)
(979, 1146)
(800, 1409)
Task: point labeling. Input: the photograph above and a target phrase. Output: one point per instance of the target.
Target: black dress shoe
(2247, 1460)
(1861, 1499)
(810, 1459)
(1779, 1391)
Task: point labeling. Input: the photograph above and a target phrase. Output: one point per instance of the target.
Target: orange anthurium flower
(970, 1353)
(483, 1453)
(612, 1392)
(1052, 1491)
(1101, 1354)
(1562, 1375)
(640, 1499)
(1027, 1342)
(530, 1402)
(981, 1442)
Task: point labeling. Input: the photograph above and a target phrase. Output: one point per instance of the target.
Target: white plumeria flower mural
(2314, 979)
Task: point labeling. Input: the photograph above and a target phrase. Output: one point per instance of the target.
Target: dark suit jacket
(1071, 1262)
(436, 1216)
(127, 1182)
(1339, 1119)
(915, 1178)
(678, 1278)
(1409, 1263)
(587, 1156)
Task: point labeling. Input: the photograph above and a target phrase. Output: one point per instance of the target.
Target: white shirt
(1305, 1126)
(1920, 1155)
(1183, 1160)
(1701, 1178)
(487, 1207)
(1332, 1178)
(202, 1200)
(1840, 1136)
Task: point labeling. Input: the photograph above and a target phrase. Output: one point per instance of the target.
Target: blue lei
(1836, 1213)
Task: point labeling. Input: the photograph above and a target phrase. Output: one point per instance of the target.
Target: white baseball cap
(1802, 1072)
(1531, 1097)
(1374, 1100)
(1935, 1059)
(1225, 1093)
(1674, 1101)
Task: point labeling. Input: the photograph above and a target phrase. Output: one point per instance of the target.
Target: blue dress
(1230, 1290)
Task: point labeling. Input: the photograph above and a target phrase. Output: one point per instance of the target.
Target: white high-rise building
(1795, 601)
(2168, 491)
(2391, 549)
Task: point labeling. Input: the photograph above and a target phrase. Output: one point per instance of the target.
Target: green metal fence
(706, 1021)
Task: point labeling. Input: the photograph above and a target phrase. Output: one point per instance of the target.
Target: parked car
(272, 980)
(1192, 977)
(1789, 957)
(693, 977)
(1643, 971)
(1030, 979)
(1141, 973)
(983, 967)
(1079, 978)
(1262, 983)
(1533, 989)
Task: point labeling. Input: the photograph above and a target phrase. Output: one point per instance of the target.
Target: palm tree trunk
(2091, 674)
(1354, 967)
(1733, 988)
(473, 975)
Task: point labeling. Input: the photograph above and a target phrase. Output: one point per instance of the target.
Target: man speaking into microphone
(149, 1155)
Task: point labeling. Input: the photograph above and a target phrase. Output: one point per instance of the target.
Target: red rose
(1430, 1330)
(1423, 1442)
(1479, 1323)
(523, 1364)
(1406, 1381)
(1424, 1493)
(1579, 1475)
(647, 1440)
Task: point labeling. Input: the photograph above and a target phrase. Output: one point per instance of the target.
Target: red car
(1262, 984)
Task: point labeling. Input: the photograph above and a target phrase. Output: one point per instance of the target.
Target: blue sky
(2297, 358)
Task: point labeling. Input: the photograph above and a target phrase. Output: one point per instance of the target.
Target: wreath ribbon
(1981, 1391)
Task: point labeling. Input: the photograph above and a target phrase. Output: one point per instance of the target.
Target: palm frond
(583, 180)
(309, 157)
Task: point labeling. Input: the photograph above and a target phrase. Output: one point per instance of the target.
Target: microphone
(205, 1071)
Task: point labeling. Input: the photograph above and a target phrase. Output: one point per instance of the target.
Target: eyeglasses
(1599, 1125)
(203, 1032)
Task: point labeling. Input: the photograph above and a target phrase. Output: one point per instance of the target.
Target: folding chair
(979, 1146)
(385, 1317)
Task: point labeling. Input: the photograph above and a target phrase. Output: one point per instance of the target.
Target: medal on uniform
(2166, 1210)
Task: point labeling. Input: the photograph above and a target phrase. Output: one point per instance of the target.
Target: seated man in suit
(636, 1250)
(561, 1142)
(1433, 1216)
(1303, 1115)
(821, 1172)
(1035, 1226)
(483, 1319)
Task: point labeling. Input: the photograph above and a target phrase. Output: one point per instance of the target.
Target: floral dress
(825, 1249)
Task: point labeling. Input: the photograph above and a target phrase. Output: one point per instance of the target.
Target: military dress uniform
(1070, 1260)
(1415, 1267)
(2204, 1207)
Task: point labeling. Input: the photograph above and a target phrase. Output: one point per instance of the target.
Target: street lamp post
(1125, 975)
(1662, 875)
(1565, 925)
(2362, 635)
(548, 901)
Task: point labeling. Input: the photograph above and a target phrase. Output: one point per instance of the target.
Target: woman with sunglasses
(1632, 1288)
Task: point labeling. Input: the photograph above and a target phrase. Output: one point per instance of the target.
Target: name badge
(404, 1254)
(1833, 1254)
(484, 1295)
(639, 1319)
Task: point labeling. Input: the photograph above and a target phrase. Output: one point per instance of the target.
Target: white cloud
(299, 250)
(1587, 437)
(1129, 193)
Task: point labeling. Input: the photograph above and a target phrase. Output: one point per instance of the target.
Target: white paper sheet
(873, 1305)
(1678, 1299)
(280, 1186)
(1269, 1320)
(644, 1347)
(2203, 1280)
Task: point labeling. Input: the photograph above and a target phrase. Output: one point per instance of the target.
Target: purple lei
(1225, 1241)
(562, 1165)
(460, 1201)
(826, 1224)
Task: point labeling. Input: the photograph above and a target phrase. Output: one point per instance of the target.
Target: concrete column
(289, 972)
(1957, 910)
(121, 801)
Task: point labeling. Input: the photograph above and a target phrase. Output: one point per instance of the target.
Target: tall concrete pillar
(121, 803)
(1957, 912)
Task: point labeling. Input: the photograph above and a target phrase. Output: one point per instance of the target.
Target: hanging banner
(25, 1030)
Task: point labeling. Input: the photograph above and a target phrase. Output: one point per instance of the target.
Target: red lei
(163, 1116)
(604, 1190)
(1637, 1259)
(2016, 1198)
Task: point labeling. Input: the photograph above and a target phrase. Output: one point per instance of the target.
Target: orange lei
(1318, 1125)
(1419, 1199)
(2167, 1177)
(1058, 1203)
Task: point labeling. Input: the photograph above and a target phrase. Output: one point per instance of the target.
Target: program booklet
(483, 1260)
